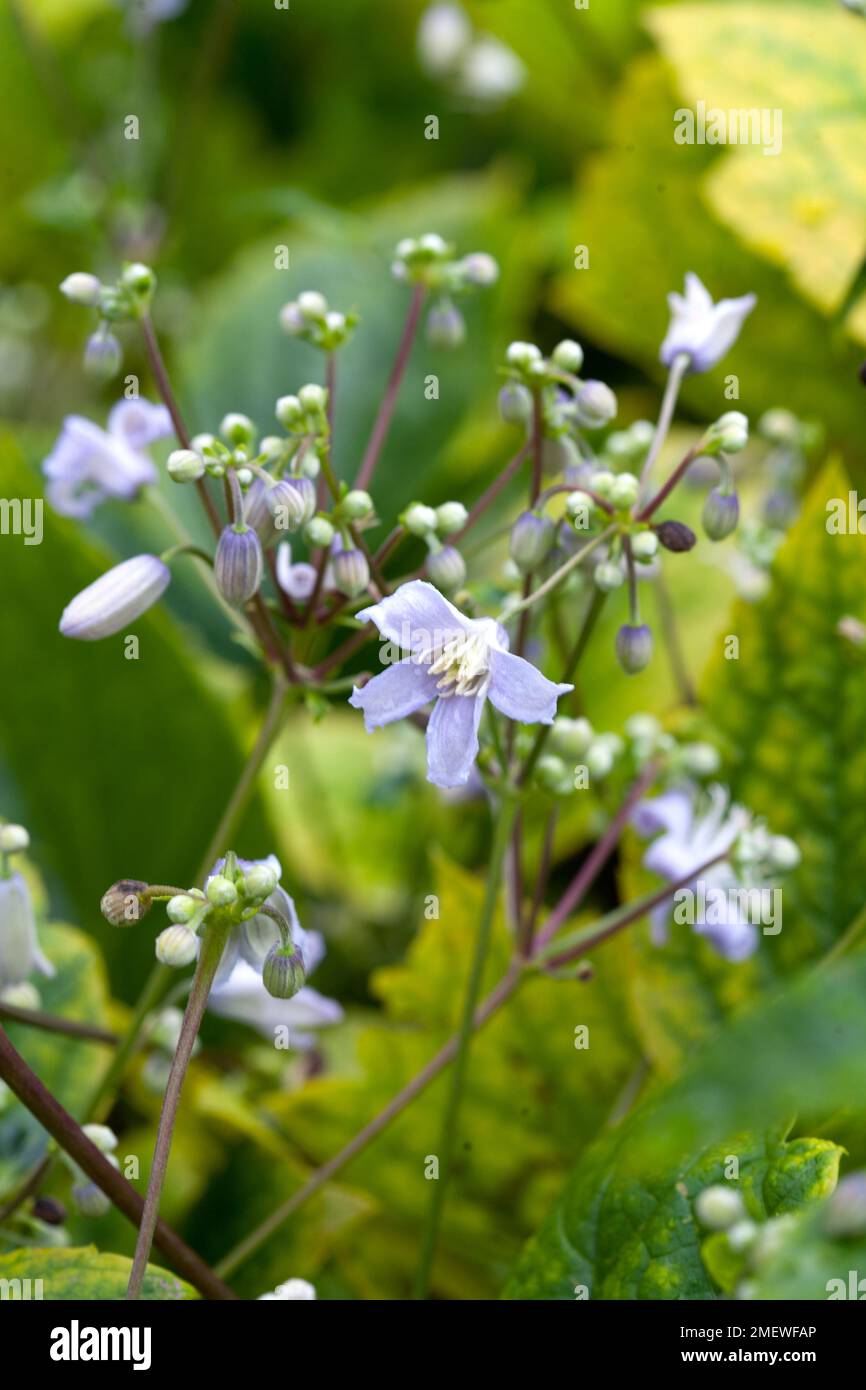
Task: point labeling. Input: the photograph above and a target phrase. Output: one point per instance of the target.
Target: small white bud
(522, 355)
(451, 517)
(220, 890)
(184, 466)
(81, 288)
(623, 490)
(177, 946)
(182, 907)
(419, 519)
(259, 881)
(312, 304)
(13, 838)
(356, 504)
(568, 355)
(237, 429)
(313, 398)
(718, 1207)
(784, 853)
(288, 411)
(644, 546)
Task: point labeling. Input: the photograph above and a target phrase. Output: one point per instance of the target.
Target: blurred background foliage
(305, 128)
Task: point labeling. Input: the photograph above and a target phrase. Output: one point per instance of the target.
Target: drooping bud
(103, 355)
(596, 405)
(721, 514)
(675, 536)
(515, 403)
(238, 564)
(283, 972)
(351, 572)
(718, 1207)
(532, 537)
(634, 647)
(177, 946)
(568, 355)
(447, 568)
(446, 327)
(111, 602)
(81, 288)
(122, 904)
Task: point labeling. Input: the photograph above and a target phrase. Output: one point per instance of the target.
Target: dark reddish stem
(389, 401)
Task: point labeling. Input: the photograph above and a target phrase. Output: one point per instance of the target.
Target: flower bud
(552, 774)
(568, 356)
(784, 853)
(184, 466)
(319, 532)
(571, 737)
(522, 355)
(182, 908)
(121, 904)
(623, 490)
(290, 502)
(446, 327)
(579, 508)
(559, 453)
(608, 576)
(138, 278)
(238, 564)
(237, 429)
(81, 288)
(451, 517)
(601, 481)
(718, 1207)
(292, 320)
(283, 972)
(599, 758)
(312, 304)
(433, 244)
(24, 995)
(220, 891)
(699, 759)
(289, 411)
(634, 647)
(721, 514)
(532, 537)
(729, 434)
(675, 536)
(356, 505)
(515, 403)
(13, 839)
(845, 1212)
(778, 426)
(111, 602)
(479, 268)
(259, 881)
(313, 398)
(103, 355)
(177, 946)
(446, 567)
(419, 519)
(596, 405)
(644, 546)
(102, 1137)
(89, 1199)
(351, 572)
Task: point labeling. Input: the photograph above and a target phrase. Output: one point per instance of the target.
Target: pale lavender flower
(115, 599)
(457, 661)
(704, 331)
(298, 580)
(20, 954)
(88, 465)
(691, 836)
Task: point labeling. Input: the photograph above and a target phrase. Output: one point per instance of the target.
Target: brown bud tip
(675, 535)
(49, 1210)
(122, 905)
(585, 971)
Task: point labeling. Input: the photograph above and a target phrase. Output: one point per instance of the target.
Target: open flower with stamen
(89, 465)
(700, 329)
(460, 663)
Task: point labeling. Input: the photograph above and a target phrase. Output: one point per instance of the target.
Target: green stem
(216, 935)
(558, 575)
(501, 836)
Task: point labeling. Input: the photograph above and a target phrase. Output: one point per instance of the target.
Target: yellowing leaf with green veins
(804, 206)
(615, 1235)
(85, 1274)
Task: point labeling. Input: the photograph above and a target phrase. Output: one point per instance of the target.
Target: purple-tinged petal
(138, 422)
(397, 691)
(520, 691)
(452, 739)
(672, 811)
(416, 617)
(115, 599)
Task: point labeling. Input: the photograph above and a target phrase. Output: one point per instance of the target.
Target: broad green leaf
(616, 1235)
(787, 352)
(121, 767)
(69, 1068)
(515, 1144)
(803, 207)
(85, 1275)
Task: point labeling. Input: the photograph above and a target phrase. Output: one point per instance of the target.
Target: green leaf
(804, 207)
(67, 1067)
(86, 1275)
(616, 1235)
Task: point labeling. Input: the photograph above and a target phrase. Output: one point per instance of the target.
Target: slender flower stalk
(392, 390)
(562, 573)
(213, 944)
(676, 372)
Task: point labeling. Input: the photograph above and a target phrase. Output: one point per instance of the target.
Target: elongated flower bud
(515, 403)
(103, 355)
(115, 599)
(351, 572)
(292, 502)
(721, 514)
(596, 405)
(446, 567)
(675, 536)
(122, 904)
(446, 327)
(283, 972)
(531, 539)
(89, 1199)
(81, 288)
(19, 947)
(634, 647)
(238, 564)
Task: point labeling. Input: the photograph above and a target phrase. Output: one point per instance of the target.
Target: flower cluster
(431, 265)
